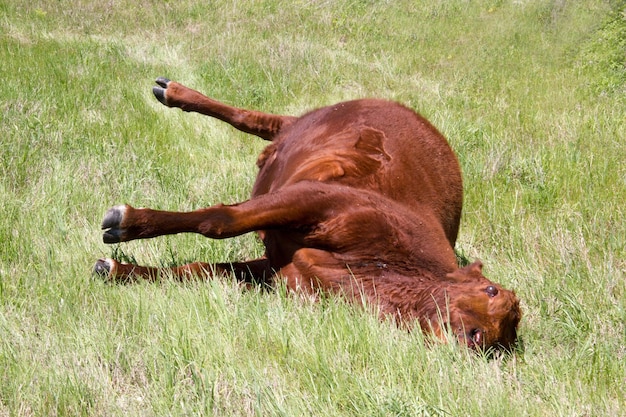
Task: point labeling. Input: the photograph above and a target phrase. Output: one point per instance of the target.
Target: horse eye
(491, 291)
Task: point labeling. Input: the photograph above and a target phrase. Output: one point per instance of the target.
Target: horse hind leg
(263, 125)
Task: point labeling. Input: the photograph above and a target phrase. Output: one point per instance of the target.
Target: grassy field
(530, 93)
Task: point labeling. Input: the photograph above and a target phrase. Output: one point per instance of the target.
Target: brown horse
(362, 198)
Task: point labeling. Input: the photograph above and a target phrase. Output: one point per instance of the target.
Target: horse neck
(419, 295)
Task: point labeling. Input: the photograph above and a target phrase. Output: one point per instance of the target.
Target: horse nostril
(476, 336)
(491, 291)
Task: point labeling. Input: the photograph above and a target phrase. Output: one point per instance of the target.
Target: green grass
(531, 94)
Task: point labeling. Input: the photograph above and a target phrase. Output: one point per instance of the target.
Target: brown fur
(362, 199)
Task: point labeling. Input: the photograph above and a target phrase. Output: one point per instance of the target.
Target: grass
(531, 95)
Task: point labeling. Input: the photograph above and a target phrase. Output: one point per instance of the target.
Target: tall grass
(531, 95)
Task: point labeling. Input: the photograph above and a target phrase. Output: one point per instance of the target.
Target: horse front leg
(296, 208)
(124, 223)
(255, 272)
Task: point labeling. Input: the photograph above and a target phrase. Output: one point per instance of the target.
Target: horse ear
(475, 267)
(467, 273)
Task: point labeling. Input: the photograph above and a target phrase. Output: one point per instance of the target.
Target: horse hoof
(159, 92)
(113, 217)
(162, 81)
(103, 267)
(111, 224)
